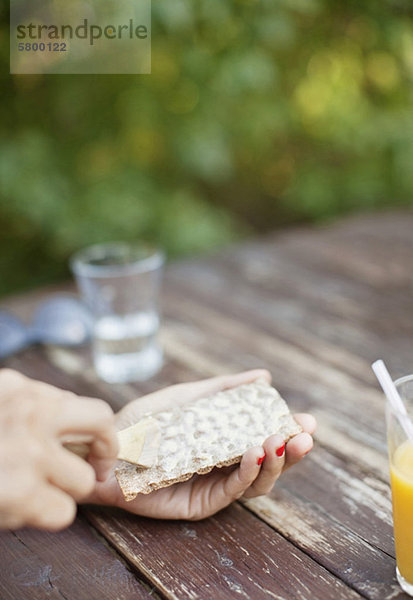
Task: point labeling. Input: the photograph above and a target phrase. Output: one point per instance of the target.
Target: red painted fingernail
(260, 460)
(280, 450)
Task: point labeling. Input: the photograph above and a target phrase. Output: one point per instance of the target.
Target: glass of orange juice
(401, 477)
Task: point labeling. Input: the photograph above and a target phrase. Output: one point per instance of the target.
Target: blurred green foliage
(257, 113)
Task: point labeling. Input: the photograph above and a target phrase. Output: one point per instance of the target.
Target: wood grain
(227, 556)
(344, 553)
(72, 564)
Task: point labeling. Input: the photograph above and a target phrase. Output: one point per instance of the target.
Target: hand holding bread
(196, 496)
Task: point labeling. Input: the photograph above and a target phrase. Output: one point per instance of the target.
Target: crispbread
(209, 432)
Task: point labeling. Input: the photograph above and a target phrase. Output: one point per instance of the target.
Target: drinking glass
(120, 283)
(401, 476)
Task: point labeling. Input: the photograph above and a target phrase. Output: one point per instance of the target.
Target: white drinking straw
(393, 397)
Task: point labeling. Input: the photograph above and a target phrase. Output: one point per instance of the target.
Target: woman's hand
(40, 481)
(204, 495)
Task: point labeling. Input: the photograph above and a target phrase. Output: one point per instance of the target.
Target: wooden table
(316, 307)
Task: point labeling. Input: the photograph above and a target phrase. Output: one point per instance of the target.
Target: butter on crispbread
(139, 443)
(209, 432)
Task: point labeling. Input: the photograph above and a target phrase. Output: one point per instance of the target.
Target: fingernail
(260, 460)
(280, 450)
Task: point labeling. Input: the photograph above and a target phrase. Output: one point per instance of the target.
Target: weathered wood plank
(286, 277)
(344, 553)
(384, 243)
(357, 500)
(227, 556)
(291, 302)
(73, 564)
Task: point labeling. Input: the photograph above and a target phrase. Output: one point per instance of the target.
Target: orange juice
(401, 474)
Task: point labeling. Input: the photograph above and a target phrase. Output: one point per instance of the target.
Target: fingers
(49, 508)
(297, 448)
(217, 490)
(271, 469)
(301, 444)
(235, 485)
(46, 507)
(92, 417)
(83, 415)
(280, 457)
(101, 460)
(47, 502)
(71, 474)
(307, 422)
